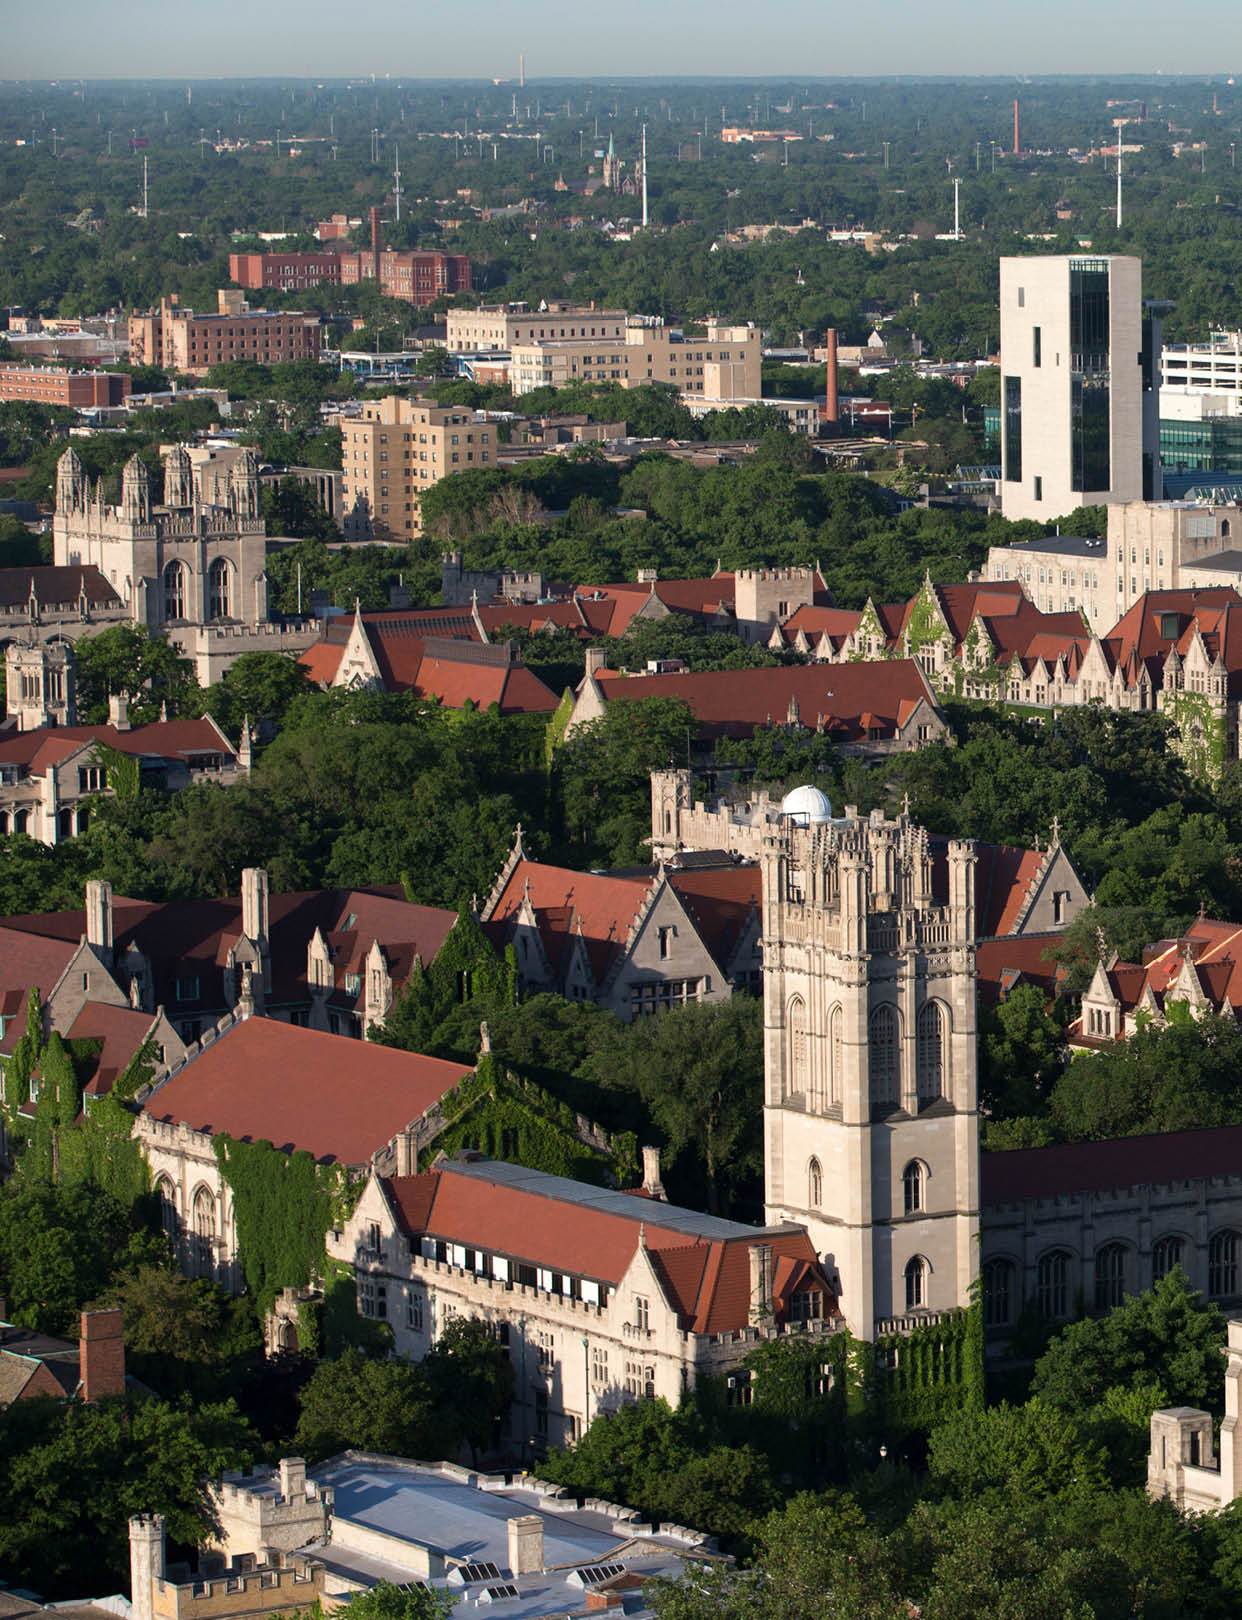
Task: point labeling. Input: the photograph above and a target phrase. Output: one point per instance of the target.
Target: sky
(57, 39)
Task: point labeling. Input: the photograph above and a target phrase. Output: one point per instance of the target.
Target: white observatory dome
(805, 806)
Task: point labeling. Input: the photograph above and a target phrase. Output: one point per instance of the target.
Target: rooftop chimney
(101, 1355)
(293, 1478)
(652, 1185)
(254, 904)
(596, 659)
(99, 915)
(526, 1545)
(118, 711)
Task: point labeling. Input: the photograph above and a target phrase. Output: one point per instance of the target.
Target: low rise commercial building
(53, 385)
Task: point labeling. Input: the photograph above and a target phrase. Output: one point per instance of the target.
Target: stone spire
(136, 491)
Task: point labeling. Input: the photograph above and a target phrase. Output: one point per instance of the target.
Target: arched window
(1223, 1265)
(835, 1057)
(912, 1180)
(930, 1060)
(168, 1208)
(1224, 529)
(1052, 1285)
(220, 590)
(885, 1069)
(204, 1233)
(21, 820)
(998, 1292)
(1166, 1253)
(916, 1283)
(1110, 1276)
(798, 1057)
(174, 591)
(815, 1184)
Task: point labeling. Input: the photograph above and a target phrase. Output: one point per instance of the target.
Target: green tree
(468, 1374)
(258, 686)
(373, 1405)
(710, 1114)
(71, 1476)
(134, 660)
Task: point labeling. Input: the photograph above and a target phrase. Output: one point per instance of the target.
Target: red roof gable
(733, 702)
(122, 1030)
(342, 1100)
(163, 739)
(707, 1278)
(563, 900)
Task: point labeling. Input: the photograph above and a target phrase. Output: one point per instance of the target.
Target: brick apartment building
(183, 341)
(398, 449)
(50, 385)
(414, 277)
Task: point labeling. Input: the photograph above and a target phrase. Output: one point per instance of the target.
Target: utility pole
(957, 217)
(1121, 130)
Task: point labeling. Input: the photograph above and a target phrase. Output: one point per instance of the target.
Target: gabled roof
(341, 1100)
(599, 905)
(1139, 636)
(720, 901)
(1002, 964)
(852, 698)
(703, 1261)
(121, 1030)
(454, 671)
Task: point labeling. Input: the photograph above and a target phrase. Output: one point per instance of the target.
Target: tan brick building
(180, 340)
(723, 365)
(395, 452)
(500, 326)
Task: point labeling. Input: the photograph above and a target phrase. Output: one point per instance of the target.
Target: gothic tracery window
(1052, 1285)
(835, 1056)
(916, 1283)
(1223, 1265)
(930, 1055)
(815, 1184)
(1110, 1276)
(174, 591)
(204, 1233)
(885, 1069)
(798, 1055)
(220, 590)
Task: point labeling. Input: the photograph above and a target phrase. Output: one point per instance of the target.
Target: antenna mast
(144, 187)
(1121, 130)
(644, 177)
(957, 217)
(396, 173)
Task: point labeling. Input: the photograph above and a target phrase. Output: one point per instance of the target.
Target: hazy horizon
(139, 39)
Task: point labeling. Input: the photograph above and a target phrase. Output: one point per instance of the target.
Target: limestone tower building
(871, 1121)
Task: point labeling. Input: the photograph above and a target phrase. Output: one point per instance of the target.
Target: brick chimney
(255, 905)
(99, 917)
(653, 1186)
(293, 1478)
(101, 1355)
(375, 241)
(830, 413)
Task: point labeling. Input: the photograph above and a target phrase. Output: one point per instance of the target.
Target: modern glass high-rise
(1079, 390)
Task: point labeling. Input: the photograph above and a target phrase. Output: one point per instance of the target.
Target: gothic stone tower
(871, 1112)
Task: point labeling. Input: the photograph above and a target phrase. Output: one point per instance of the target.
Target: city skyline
(78, 38)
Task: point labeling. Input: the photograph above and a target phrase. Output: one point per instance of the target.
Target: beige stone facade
(1150, 546)
(1072, 385)
(600, 1325)
(871, 1123)
(723, 365)
(500, 326)
(1182, 1463)
(395, 452)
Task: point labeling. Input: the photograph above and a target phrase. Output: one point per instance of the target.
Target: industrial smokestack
(375, 241)
(1016, 146)
(830, 411)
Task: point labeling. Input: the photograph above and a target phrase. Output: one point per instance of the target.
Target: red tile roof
(733, 702)
(1128, 1161)
(162, 739)
(342, 1100)
(707, 1279)
(453, 670)
(564, 901)
(1003, 963)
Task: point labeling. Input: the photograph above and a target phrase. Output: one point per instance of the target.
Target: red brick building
(414, 277)
(50, 385)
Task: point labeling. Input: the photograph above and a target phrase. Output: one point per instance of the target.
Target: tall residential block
(396, 451)
(1079, 385)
